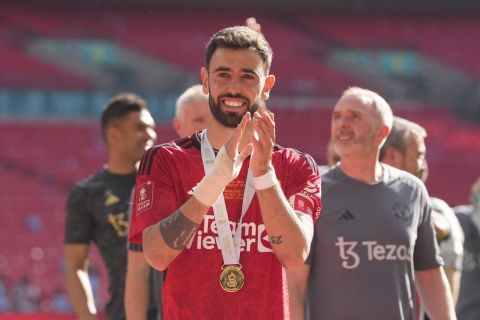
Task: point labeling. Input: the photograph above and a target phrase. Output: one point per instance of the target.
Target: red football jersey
(166, 177)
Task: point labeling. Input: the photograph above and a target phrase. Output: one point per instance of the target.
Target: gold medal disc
(232, 278)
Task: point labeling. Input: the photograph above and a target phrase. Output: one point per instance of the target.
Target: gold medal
(232, 278)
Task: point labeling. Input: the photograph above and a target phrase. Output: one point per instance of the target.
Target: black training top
(97, 211)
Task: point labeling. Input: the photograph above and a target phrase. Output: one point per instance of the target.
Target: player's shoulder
(333, 177)
(396, 175)
(83, 188)
(328, 172)
(180, 144)
(173, 147)
(441, 205)
(89, 182)
(464, 212)
(167, 153)
(187, 143)
(294, 156)
(399, 179)
(464, 209)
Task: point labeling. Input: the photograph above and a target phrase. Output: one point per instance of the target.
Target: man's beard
(230, 119)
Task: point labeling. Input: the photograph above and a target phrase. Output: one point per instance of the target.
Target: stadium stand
(300, 67)
(444, 37)
(19, 70)
(38, 165)
(304, 39)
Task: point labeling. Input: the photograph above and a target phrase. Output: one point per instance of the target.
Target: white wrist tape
(265, 181)
(224, 170)
(209, 189)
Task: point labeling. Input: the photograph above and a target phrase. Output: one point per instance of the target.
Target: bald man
(374, 241)
(192, 111)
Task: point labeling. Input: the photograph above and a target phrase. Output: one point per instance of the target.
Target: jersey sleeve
(154, 195)
(426, 254)
(303, 184)
(79, 219)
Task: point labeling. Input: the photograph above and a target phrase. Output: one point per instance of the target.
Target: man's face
(413, 159)
(136, 133)
(236, 83)
(355, 128)
(193, 117)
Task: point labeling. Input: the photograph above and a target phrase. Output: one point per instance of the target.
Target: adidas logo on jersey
(347, 215)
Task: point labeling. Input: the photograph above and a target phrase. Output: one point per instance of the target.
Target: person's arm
(454, 277)
(432, 286)
(290, 232)
(78, 284)
(165, 240)
(297, 279)
(137, 286)
(441, 226)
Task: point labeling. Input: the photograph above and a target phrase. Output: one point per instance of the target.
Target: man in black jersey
(97, 206)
